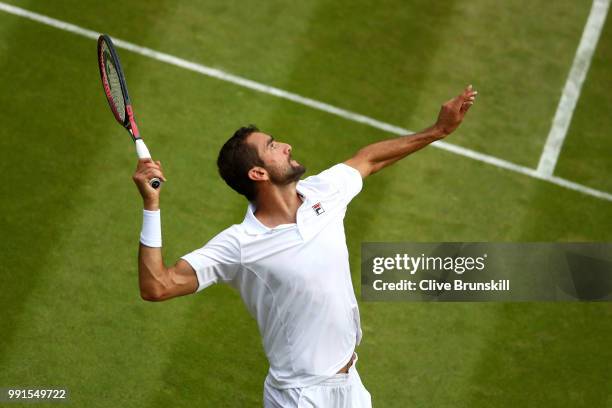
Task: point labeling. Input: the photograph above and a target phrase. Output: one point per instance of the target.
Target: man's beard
(290, 175)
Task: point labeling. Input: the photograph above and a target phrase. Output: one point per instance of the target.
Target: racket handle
(141, 149)
(143, 153)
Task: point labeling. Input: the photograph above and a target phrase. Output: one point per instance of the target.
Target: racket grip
(143, 153)
(141, 149)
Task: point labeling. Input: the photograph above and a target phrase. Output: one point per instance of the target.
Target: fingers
(152, 173)
(468, 97)
(469, 93)
(150, 169)
(465, 107)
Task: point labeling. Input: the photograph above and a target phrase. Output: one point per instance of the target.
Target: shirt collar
(253, 226)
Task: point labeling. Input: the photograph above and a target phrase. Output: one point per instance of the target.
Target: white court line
(355, 117)
(573, 86)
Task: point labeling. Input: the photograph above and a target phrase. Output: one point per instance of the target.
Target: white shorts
(339, 391)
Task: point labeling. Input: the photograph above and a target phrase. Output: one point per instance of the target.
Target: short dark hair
(236, 158)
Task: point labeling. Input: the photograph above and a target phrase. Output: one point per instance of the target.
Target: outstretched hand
(453, 111)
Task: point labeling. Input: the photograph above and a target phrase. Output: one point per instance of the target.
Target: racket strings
(114, 84)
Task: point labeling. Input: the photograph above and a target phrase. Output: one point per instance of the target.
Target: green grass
(582, 159)
(70, 215)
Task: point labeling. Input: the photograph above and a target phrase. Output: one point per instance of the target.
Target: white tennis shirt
(294, 279)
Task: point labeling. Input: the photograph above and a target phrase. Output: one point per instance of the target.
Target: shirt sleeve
(344, 178)
(218, 260)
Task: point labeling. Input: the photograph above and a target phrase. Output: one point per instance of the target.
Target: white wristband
(151, 229)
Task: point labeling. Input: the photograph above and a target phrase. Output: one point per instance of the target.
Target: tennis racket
(115, 89)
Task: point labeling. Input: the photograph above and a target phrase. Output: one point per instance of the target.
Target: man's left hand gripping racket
(116, 92)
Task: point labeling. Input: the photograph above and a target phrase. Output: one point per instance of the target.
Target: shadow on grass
(51, 133)
(549, 354)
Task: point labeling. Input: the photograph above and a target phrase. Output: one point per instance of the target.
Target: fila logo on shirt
(318, 209)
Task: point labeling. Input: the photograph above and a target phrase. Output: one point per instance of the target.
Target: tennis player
(288, 258)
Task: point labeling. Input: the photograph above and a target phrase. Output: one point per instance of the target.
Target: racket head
(113, 80)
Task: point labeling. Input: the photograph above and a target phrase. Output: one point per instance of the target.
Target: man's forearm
(152, 274)
(386, 152)
(376, 156)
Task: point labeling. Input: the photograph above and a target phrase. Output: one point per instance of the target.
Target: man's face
(276, 156)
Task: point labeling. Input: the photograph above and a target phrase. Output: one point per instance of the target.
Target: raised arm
(377, 156)
(157, 282)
